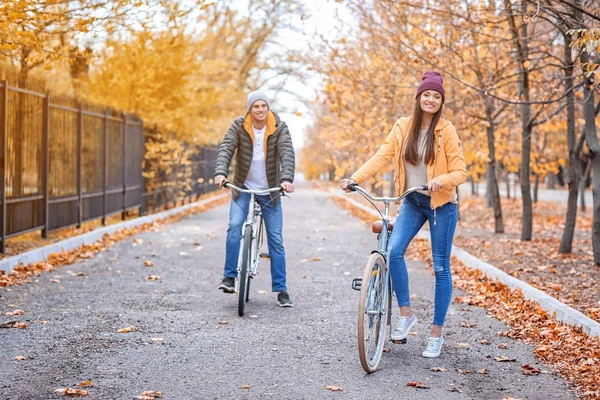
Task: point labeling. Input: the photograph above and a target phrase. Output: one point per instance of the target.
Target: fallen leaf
(437, 369)
(464, 372)
(317, 258)
(20, 325)
(463, 344)
(485, 341)
(42, 322)
(483, 371)
(262, 292)
(502, 346)
(72, 392)
(19, 358)
(148, 263)
(153, 277)
(254, 316)
(418, 385)
(334, 388)
(55, 281)
(412, 333)
(85, 384)
(126, 330)
(304, 260)
(504, 359)
(157, 339)
(467, 325)
(386, 350)
(529, 370)
(149, 395)
(223, 322)
(138, 241)
(15, 312)
(8, 324)
(245, 387)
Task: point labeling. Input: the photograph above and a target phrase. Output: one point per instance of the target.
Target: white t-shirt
(257, 176)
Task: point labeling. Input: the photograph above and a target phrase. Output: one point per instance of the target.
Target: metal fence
(62, 163)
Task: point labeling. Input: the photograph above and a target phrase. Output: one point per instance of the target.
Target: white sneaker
(434, 347)
(403, 326)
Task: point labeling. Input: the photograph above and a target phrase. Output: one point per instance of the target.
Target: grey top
(416, 175)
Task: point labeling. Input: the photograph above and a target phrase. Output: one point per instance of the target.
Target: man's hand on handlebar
(219, 179)
(287, 187)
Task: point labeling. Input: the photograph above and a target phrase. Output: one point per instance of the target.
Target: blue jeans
(415, 210)
(273, 218)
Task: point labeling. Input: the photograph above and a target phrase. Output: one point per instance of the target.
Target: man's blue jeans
(415, 210)
(273, 218)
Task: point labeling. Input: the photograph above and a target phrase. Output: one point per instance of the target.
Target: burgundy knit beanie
(432, 81)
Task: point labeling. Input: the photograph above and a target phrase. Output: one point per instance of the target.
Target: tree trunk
(536, 186)
(551, 181)
(520, 37)
(492, 188)
(473, 191)
(582, 184)
(574, 171)
(593, 144)
(489, 185)
(508, 185)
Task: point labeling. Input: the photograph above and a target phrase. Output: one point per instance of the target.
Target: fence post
(105, 168)
(46, 164)
(124, 160)
(3, 154)
(79, 165)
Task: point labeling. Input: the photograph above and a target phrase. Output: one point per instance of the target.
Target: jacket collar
(271, 125)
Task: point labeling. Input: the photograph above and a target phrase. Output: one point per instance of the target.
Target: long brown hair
(412, 152)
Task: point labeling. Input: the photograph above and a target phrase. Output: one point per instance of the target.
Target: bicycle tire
(258, 243)
(372, 313)
(245, 271)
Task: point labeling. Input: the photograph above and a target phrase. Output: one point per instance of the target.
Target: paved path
(281, 353)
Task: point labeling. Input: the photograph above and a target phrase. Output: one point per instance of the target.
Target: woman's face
(431, 101)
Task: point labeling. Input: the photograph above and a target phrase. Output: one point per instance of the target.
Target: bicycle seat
(377, 226)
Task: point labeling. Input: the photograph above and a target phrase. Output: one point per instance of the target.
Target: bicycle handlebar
(257, 192)
(355, 188)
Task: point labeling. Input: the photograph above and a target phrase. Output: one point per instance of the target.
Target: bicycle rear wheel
(372, 313)
(245, 270)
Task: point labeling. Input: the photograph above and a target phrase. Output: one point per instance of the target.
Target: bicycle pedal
(356, 283)
(403, 341)
(264, 255)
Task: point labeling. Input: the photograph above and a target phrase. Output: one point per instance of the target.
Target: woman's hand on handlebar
(434, 185)
(344, 183)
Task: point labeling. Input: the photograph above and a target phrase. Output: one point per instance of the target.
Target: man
(265, 159)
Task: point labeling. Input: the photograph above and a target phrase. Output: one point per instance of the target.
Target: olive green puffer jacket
(279, 152)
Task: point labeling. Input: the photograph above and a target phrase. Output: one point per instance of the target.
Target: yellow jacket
(448, 166)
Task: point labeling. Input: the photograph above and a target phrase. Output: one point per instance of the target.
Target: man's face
(259, 110)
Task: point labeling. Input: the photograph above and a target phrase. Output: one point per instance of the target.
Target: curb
(559, 311)
(42, 253)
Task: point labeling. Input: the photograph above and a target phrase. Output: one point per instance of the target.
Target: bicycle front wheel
(372, 313)
(245, 270)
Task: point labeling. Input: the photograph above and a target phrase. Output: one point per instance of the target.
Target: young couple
(424, 148)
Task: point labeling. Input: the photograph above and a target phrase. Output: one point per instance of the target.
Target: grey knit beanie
(255, 96)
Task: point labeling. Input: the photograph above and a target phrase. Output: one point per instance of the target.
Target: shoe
(434, 347)
(403, 326)
(283, 298)
(227, 285)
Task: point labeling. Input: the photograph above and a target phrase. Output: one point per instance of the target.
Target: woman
(423, 148)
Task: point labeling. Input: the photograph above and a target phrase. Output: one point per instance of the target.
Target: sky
(321, 17)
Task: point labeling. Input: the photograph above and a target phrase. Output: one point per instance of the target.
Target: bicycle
(251, 242)
(374, 308)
